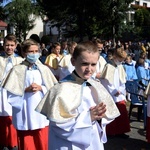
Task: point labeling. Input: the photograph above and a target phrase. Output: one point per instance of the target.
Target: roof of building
(3, 24)
(135, 6)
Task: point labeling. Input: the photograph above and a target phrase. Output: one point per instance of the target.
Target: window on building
(136, 2)
(145, 4)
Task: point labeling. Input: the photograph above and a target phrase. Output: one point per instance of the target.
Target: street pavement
(137, 136)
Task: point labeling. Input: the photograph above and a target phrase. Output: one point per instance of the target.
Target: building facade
(144, 3)
(137, 4)
(3, 31)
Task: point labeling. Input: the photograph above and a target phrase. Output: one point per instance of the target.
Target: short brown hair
(98, 41)
(72, 43)
(27, 43)
(10, 37)
(84, 46)
(54, 45)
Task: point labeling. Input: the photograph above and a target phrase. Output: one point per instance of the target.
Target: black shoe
(124, 136)
(13, 148)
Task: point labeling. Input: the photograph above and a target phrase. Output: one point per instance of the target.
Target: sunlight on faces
(100, 46)
(128, 59)
(33, 49)
(32, 54)
(120, 55)
(85, 64)
(56, 50)
(72, 49)
(9, 47)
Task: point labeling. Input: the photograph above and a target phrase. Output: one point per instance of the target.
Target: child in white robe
(113, 78)
(65, 65)
(76, 103)
(26, 84)
(53, 59)
(101, 61)
(8, 135)
(147, 92)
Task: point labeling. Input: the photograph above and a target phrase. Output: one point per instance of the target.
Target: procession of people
(70, 97)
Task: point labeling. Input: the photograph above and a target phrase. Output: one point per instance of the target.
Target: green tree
(87, 17)
(21, 14)
(141, 17)
(142, 22)
(2, 12)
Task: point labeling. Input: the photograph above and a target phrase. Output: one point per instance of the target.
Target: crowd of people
(68, 95)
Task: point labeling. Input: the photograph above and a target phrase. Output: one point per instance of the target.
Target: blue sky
(6, 2)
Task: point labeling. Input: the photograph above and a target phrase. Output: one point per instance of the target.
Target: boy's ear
(73, 61)
(16, 45)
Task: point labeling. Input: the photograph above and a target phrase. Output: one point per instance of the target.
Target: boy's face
(56, 50)
(32, 49)
(85, 64)
(110, 56)
(100, 47)
(119, 59)
(72, 49)
(9, 47)
(128, 60)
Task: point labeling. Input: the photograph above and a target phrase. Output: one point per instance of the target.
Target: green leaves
(21, 15)
(90, 18)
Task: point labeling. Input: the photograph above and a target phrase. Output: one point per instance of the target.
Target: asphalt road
(136, 141)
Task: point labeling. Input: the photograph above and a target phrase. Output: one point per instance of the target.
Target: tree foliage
(2, 13)
(142, 22)
(21, 14)
(141, 17)
(86, 17)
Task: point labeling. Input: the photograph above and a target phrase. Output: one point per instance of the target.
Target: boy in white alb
(65, 65)
(113, 79)
(76, 103)
(147, 92)
(101, 61)
(8, 135)
(26, 84)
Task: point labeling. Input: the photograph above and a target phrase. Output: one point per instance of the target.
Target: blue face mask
(32, 58)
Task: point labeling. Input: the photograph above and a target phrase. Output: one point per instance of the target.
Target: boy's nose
(89, 67)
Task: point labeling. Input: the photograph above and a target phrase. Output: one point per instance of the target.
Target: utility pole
(114, 8)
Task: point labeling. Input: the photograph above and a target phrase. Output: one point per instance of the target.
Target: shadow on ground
(137, 139)
(126, 144)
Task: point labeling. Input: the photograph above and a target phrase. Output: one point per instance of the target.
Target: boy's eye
(84, 64)
(34, 51)
(10, 45)
(93, 64)
(30, 51)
